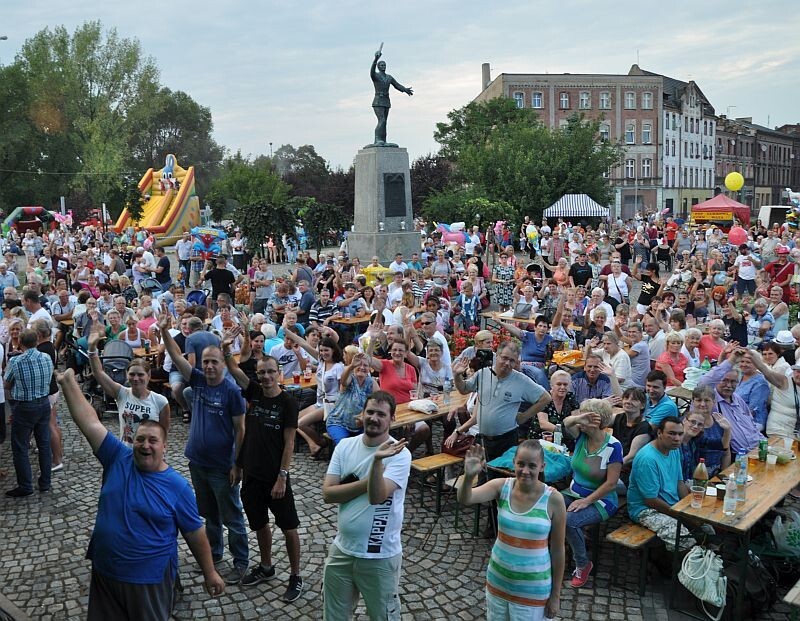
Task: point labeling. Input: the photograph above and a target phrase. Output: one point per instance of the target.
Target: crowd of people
(640, 303)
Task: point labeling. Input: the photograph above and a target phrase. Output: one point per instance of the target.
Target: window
(691, 178)
(630, 100)
(666, 121)
(564, 101)
(691, 125)
(647, 168)
(685, 150)
(705, 128)
(666, 148)
(686, 125)
(604, 132)
(711, 128)
(536, 100)
(585, 101)
(630, 133)
(605, 100)
(647, 101)
(685, 177)
(647, 131)
(691, 149)
(673, 155)
(519, 98)
(630, 169)
(705, 178)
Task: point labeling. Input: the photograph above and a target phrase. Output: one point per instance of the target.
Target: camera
(483, 358)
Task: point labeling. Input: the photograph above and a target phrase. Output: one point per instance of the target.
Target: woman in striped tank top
(526, 568)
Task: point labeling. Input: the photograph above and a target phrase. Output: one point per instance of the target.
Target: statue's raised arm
(381, 102)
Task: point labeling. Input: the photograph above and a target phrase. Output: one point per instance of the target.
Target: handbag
(701, 574)
(460, 446)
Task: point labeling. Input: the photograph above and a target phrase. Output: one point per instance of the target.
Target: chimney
(486, 76)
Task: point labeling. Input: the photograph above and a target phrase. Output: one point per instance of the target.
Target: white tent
(575, 206)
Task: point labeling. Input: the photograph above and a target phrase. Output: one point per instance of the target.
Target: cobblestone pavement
(44, 571)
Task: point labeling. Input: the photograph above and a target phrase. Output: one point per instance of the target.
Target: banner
(712, 216)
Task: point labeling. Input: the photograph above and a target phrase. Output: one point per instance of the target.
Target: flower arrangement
(461, 339)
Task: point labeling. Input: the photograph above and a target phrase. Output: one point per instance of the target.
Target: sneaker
(57, 467)
(259, 575)
(294, 589)
(581, 575)
(18, 492)
(235, 575)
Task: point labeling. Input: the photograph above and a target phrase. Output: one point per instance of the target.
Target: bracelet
(93, 353)
(227, 355)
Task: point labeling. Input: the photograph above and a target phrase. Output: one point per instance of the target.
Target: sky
(275, 73)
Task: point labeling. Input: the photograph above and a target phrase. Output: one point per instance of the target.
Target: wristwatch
(283, 473)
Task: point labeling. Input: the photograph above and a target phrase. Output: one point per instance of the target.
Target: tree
(508, 155)
(340, 190)
(465, 205)
(302, 168)
(133, 199)
(429, 174)
(242, 182)
(261, 220)
(323, 223)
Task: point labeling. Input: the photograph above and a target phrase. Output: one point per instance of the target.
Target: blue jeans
(576, 521)
(537, 374)
(31, 416)
(219, 503)
(339, 433)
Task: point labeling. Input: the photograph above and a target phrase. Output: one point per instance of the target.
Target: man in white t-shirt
(367, 478)
(32, 304)
(398, 265)
(745, 267)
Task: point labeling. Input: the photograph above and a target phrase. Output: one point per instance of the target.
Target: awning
(575, 206)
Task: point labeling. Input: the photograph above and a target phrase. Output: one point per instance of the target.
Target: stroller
(115, 359)
(196, 297)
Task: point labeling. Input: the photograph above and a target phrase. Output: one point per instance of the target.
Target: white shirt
(132, 411)
(365, 530)
(41, 314)
(747, 268)
(398, 267)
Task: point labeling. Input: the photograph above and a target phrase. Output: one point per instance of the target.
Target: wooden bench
(793, 599)
(434, 463)
(634, 537)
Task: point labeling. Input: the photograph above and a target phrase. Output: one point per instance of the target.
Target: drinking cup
(698, 493)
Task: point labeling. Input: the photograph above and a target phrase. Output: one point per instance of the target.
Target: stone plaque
(394, 190)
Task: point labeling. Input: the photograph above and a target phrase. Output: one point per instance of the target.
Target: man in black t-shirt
(221, 279)
(162, 269)
(581, 272)
(265, 460)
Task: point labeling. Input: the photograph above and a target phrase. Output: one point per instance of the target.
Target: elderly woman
(760, 323)
(594, 329)
(778, 309)
(356, 384)
(672, 362)
(691, 347)
(712, 344)
(783, 414)
(114, 327)
(564, 404)
(524, 301)
(772, 354)
(596, 465)
(714, 439)
(531, 521)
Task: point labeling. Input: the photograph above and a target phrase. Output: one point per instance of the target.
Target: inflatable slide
(171, 206)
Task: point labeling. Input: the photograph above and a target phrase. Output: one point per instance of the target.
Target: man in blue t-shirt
(658, 405)
(216, 434)
(656, 483)
(143, 504)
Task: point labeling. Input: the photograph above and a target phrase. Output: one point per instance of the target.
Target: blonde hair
(601, 407)
(349, 353)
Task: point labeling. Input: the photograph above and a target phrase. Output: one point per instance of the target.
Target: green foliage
(264, 219)
(242, 182)
(464, 205)
(133, 199)
(322, 222)
(81, 110)
(503, 153)
(429, 174)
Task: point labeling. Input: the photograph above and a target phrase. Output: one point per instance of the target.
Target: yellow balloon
(734, 181)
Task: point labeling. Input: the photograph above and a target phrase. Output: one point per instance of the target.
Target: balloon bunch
(793, 213)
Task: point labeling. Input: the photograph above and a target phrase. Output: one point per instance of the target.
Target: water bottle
(741, 476)
(705, 365)
(729, 503)
(446, 392)
(557, 436)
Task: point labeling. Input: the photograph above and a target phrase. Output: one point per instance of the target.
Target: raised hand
(93, 340)
(474, 461)
(390, 448)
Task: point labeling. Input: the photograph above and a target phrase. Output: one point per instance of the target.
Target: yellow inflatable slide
(171, 204)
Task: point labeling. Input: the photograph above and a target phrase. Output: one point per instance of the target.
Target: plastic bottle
(729, 503)
(557, 436)
(741, 476)
(705, 365)
(700, 476)
(446, 392)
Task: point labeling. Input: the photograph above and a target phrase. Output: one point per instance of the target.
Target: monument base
(382, 245)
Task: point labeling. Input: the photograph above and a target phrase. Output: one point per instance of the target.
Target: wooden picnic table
(679, 393)
(289, 384)
(497, 317)
(769, 486)
(405, 416)
(350, 321)
(139, 352)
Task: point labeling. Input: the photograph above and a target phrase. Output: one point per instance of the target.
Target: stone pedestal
(383, 195)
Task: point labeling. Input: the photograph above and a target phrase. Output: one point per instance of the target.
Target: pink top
(678, 366)
(145, 324)
(709, 348)
(399, 387)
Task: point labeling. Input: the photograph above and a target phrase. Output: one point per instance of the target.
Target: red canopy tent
(720, 211)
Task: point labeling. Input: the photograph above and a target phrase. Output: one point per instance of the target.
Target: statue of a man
(381, 103)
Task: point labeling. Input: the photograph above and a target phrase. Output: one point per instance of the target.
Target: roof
(575, 205)
(673, 89)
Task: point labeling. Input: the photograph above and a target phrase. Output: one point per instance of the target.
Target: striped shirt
(519, 568)
(30, 374)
